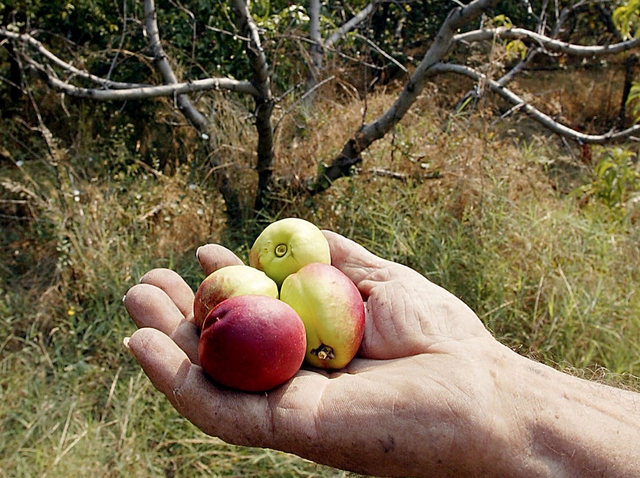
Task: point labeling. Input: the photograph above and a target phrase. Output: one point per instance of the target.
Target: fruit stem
(324, 352)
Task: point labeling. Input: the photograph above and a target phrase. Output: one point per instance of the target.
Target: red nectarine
(252, 343)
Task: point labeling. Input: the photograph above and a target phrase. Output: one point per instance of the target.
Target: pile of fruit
(259, 323)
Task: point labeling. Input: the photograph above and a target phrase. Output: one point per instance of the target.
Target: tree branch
(319, 46)
(431, 65)
(184, 103)
(197, 119)
(532, 53)
(350, 154)
(545, 120)
(142, 91)
(383, 53)
(457, 18)
(115, 90)
(314, 33)
(358, 18)
(28, 39)
(548, 43)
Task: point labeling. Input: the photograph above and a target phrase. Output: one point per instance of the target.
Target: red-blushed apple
(284, 246)
(332, 310)
(252, 343)
(227, 282)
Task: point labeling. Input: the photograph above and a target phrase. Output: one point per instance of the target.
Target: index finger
(150, 306)
(173, 285)
(214, 256)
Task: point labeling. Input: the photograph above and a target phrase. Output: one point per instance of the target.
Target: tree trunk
(197, 119)
(263, 100)
(630, 69)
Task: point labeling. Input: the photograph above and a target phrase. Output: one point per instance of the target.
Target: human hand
(419, 399)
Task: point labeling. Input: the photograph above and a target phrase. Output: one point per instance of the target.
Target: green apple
(286, 245)
(332, 310)
(227, 282)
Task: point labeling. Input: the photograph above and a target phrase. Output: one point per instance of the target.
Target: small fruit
(332, 310)
(252, 343)
(229, 282)
(286, 245)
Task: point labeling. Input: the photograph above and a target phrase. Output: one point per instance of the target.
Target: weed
(615, 180)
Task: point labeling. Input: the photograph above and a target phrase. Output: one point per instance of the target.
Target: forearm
(506, 416)
(573, 427)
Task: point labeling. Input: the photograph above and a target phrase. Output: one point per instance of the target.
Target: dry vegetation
(490, 209)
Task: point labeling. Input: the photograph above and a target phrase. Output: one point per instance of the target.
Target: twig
(122, 37)
(383, 53)
(545, 120)
(389, 174)
(302, 98)
(547, 42)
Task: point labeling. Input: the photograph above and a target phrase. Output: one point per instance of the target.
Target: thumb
(354, 260)
(218, 412)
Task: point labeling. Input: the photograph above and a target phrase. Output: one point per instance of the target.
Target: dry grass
(479, 208)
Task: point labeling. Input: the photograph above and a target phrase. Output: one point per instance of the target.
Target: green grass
(551, 274)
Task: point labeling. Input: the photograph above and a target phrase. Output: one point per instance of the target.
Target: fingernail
(125, 343)
(143, 276)
(198, 253)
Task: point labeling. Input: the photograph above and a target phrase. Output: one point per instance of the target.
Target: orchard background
(532, 220)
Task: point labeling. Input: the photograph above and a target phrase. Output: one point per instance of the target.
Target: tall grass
(484, 215)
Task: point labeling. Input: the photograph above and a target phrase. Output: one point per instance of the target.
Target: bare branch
(301, 99)
(257, 58)
(383, 53)
(457, 18)
(349, 156)
(197, 119)
(351, 24)
(314, 21)
(144, 92)
(115, 90)
(319, 46)
(122, 37)
(536, 114)
(532, 53)
(316, 49)
(548, 43)
(28, 39)
(151, 25)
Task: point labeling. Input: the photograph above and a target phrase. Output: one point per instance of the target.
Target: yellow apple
(227, 282)
(286, 245)
(332, 310)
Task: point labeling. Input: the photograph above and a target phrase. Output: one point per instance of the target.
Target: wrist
(566, 426)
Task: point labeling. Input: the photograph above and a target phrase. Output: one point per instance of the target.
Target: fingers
(364, 268)
(164, 363)
(235, 417)
(174, 286)
(150, 306)
(214, 256)
(350, 257)
(173, 374)
(164, 301)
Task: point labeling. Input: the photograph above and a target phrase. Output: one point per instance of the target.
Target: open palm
(414, 395)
